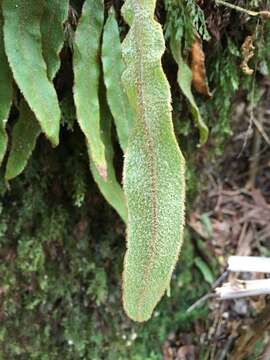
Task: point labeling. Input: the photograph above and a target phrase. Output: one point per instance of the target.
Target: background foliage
(60, 292)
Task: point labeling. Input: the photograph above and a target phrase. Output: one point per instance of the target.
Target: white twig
(200, 302)
(249, 264)
(241, 288)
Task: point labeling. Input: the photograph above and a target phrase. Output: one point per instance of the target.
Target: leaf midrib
(151, 155)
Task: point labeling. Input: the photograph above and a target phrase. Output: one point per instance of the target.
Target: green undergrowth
(61, 252)
(223, 31)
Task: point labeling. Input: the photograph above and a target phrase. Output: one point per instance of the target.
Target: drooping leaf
(153, 169)
(5, 93)
(55, 12)
(86, 79)
(24, 136)
(205, 270)
(113, 69)
(110, 188)
(199, 78)
(207, 225)
(22, 39)
(184, 79)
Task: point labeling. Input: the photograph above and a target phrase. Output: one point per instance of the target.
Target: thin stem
(243, 10)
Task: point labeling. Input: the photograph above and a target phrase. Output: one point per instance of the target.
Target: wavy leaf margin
(154, 181)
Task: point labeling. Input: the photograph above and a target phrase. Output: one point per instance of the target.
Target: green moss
(61, 269)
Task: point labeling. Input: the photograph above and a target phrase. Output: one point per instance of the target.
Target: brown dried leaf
(245, 241)
(247, 54)
(195, 223)
(199, 79)
(167, 351)
(259, 199)
(187, 352)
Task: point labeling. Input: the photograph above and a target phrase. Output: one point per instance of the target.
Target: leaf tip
(134, 313)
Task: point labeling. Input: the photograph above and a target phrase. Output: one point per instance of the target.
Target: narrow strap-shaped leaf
(23, 47)
(24, 136)
(5, 93)
(110, 188)
(153, 169)
(113, 69)
(86, 78)
(184, 79)
(54, 15)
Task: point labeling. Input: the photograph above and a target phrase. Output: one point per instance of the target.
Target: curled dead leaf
(247, 51)
(199, 79)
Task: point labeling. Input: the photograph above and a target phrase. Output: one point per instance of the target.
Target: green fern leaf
(24, 136)
(184, 79)
(5, 94)
(54, 15)
(23, 47)
(113, 69)
(86, 79)
(153, 169)
(110, 189)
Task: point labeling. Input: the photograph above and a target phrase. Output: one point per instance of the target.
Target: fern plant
(117, 84)
(118, 90)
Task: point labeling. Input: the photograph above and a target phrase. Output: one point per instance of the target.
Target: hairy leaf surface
(184, 79)
(24, 136)
(113, 68)
(5, 94)
(54, 15)
(110, 188)
(86, 79)
(23, 47)
(153, 168)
